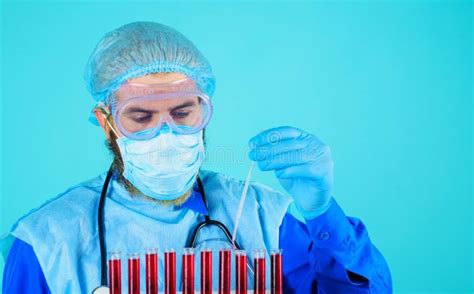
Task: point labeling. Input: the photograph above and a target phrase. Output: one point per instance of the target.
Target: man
(153, 86)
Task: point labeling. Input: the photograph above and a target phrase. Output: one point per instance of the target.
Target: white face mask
(165, 166)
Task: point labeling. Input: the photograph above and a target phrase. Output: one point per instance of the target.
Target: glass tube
(170, 271)
(115, 273)
(134, 273)
(240, 272)
(276, 271)
(206, 271)
(224, 270)
(259, 267)
(188, 271)
(151, 260)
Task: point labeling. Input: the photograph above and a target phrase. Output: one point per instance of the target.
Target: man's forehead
(155, 84)
(158, 78)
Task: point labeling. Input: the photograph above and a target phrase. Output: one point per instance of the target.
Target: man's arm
(333, 254)
(23, 272)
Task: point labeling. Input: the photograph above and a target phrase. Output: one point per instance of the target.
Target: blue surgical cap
(142, 48)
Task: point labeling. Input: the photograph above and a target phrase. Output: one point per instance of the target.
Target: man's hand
(302, 163)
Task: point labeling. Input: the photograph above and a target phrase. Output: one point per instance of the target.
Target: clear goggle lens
(141, 110)
(141, 118)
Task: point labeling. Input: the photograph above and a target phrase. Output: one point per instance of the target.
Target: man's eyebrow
(183, 105)
(138, 109)
(176, 107)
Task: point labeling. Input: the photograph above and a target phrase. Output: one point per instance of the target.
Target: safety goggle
(141, 110)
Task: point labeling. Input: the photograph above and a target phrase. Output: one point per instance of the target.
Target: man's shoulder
(66, 206)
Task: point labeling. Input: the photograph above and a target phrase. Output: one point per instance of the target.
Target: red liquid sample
(115, 276)
(151, 273)
(170, 272)
(240, 272)
(134, 275)
(276, 273)
(188, 271)
(206, 271)
(224, 271)
(259, 267)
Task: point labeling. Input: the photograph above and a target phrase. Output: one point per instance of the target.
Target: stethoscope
(103, 289)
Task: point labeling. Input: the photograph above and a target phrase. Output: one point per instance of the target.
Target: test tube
(151, 259)
(224, 270)
(206, 271)
(170, 271)
(259, 267)
(115, 273)
(188, 271)
(276, 271)
(240, 272)
(134, 273)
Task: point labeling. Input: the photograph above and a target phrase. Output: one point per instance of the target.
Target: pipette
(242, 202)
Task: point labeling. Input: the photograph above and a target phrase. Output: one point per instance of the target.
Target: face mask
(165, 166)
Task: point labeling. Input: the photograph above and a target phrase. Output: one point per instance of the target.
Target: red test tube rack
(188, 271)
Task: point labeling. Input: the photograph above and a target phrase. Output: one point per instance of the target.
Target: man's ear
(101, 117)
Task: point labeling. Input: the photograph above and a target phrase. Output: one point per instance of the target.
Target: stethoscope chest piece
(101, 290)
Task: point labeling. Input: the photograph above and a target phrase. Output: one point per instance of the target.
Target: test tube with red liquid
(259, 267)
(151, 260)
(115, 273)
(188, 271)
(276, 271)
(240, 272)
(170, 271)
(134, 273)
(224, 270)
(206, 271)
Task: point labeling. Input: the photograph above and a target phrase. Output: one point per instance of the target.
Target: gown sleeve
(331, 253)
(23, 273)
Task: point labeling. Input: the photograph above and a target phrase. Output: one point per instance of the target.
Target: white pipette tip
(242, 202)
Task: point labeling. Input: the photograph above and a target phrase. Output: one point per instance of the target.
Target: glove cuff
(313, 213)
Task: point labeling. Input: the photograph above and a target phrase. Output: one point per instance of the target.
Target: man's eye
(142, 118)
(180, 114)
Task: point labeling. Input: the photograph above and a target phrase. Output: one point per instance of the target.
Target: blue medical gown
(331, 253)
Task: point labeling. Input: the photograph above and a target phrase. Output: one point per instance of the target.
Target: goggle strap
(111, 127)
(102, 108)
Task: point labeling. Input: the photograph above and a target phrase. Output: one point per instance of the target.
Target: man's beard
(118, 167)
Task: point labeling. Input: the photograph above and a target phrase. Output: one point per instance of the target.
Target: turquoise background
(388, 85)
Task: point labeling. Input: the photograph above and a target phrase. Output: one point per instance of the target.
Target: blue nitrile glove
(302, 163)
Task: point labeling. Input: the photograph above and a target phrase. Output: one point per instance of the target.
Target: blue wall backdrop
(388, 85)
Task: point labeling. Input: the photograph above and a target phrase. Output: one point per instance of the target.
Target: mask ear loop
(103, 109)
